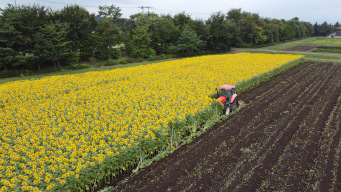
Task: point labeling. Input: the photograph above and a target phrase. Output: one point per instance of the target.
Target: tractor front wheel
(226, 110)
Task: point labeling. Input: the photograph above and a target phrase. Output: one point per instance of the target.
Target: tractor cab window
(224, 92)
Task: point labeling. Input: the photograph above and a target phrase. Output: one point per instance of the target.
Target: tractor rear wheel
(235, 105)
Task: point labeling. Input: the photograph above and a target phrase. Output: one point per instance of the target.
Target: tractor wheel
(235, 105)
(227, 110)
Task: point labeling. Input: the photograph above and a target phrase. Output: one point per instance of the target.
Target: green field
(309, 41)
(325, 49)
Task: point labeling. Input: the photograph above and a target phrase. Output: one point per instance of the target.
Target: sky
(306, 10)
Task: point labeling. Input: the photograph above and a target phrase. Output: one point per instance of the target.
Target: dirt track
(287, 138)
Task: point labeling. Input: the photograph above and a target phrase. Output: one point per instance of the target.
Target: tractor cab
(226, 90)
(226, 94)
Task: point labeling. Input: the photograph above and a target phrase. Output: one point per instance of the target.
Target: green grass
(309, 41)
(325, 49)
(323, 58)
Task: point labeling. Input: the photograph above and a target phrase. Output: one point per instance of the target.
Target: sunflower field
(61, 133)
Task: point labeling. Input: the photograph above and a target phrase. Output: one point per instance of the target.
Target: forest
(34, 37)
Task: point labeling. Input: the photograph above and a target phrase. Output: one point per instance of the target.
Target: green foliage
(34, 37)
(131, 60)
(188, 41)
(56, 33)
(324, 29)
(325, 49)
(92, 60)
(81, 25)
(9, 39)
(19, 25)
(139, 46)
(44, 50)
(110, 62)
(107, 36)
(112, 12)
(78, 66)
(162, 32)
(219, 38)
(123, 61)
(182, 19)
(115, 53)
(251, 33)
(140, 59)
(73, 61)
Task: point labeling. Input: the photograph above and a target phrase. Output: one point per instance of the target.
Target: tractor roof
(227, 87)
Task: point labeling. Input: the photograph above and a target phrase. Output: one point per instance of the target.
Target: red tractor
(226, 94)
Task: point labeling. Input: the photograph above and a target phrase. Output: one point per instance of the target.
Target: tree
(43, 50)
(107, 36)
(112, 12)
(20, 25)
(309, 29)
(235, 15)
(163, 33)
(188, 41)
(182, 19)
(10, 41)
(251, 33)
(107, 33)
(139, 45)
(325, 29)
(202, 31)
(316, 29)
(81, 25)
(219, 38)
(56, 33)
(271, 31)
(234, 32)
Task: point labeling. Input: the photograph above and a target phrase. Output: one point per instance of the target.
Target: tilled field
(302, 48)
(287, 138)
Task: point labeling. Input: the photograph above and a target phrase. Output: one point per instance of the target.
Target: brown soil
(301, 48)
(287, 138)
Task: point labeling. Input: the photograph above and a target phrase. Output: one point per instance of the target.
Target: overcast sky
(306, 10)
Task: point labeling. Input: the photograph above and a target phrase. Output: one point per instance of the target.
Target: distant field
(325, 49)
(306, 42)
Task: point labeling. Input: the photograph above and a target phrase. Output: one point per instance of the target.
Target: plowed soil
(301, 48)
(287, 138)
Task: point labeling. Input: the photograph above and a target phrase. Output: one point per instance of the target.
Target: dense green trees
(188, 41)
(107, 33)
(139, 45)
(32, 37)
(219, 38)
(20, 26)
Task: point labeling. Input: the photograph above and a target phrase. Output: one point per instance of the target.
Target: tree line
(33, 36)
